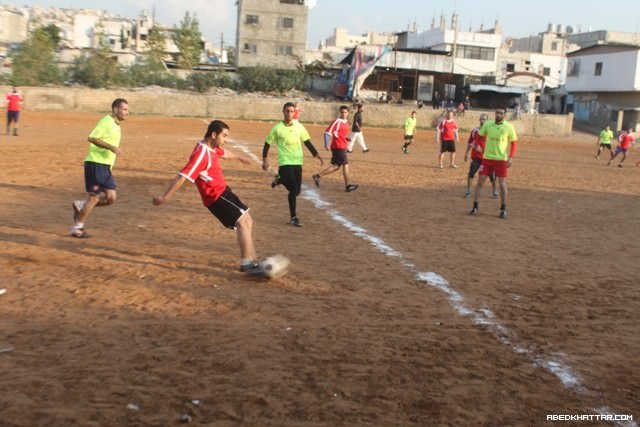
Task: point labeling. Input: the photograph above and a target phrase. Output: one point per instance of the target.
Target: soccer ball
(275, 266)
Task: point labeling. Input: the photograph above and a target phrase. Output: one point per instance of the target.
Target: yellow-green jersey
(289, 141)
(410, 126)
(498, 136)
(606, 136)
(108, 131)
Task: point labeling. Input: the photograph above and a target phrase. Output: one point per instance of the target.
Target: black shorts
(98, 177)
(13, 116)
(291, 177)
(448, 146)
(228, 209)
(607, 146)
(339, 157)
(408, 137)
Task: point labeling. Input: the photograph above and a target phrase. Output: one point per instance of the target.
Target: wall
(168, 102)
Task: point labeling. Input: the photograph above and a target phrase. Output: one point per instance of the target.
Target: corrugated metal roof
(500, 89)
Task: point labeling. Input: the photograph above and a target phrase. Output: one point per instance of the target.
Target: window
(292, 1)
(250, 47)
(574, 67)
(475, 52)
(511, 68)
(598, 70)
(554, 46)
(546, 71)
(252, 20)
(286, 23)
(285, 50)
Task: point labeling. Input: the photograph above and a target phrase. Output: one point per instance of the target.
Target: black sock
(503, 207)
(475, 205)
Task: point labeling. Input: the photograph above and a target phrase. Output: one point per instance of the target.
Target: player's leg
(244, 228)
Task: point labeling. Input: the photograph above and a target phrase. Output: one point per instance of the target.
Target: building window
(546, 71)
(286, 22)
(292, 1)
(511, 68)
(252, 20)
(573, 68)
(475, 52)
(598, 70)
(554, 46)
(250, 47)
(284, 50)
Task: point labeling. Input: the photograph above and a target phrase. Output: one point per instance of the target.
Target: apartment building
(271, 33)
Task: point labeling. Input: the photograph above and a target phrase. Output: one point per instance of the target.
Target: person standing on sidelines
(14, 102)
(356, 131)
(289, 135)
(409, 131)
(203, 170)
(296, 111)
(624, 143)
(99, 181)
(500, 135)
(475, 145)
(335, 138)
(447, 136)
(604, 141)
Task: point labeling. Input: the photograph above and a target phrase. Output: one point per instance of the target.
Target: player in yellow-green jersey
(289, 135)
(104, 146)
(499, 149)
(409, 128)
(604, 141)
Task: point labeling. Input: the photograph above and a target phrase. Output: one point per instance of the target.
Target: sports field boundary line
(482, 317)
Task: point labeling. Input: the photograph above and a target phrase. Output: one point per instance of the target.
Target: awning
(500, 89)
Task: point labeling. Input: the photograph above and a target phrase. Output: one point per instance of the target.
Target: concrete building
(604, 85)
(271, 33)
(473, 53)
(13, 25)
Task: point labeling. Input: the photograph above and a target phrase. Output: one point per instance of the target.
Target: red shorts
(499, 167)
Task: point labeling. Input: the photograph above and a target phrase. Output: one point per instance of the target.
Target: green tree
(188, 39)
(35, 63)
(54, 34)
(156, 42)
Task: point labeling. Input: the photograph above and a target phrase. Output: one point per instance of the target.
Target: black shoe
(245, 267)
(252, 269)
(352, 187)
(473, 211)
(276, 181)
(79, 233)
(620, 165)
(316, 180)
(365, 151)
(295, 222)
(503, 213)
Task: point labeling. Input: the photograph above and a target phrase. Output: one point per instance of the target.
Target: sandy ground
(149, 321)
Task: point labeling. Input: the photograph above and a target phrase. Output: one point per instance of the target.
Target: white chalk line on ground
(482, 317)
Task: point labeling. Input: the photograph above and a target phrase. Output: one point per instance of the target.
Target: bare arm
(231, 155)
(174, 185)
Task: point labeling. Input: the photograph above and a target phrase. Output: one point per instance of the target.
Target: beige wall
(247, 107)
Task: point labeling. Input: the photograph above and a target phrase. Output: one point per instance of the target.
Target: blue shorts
(98, 177)
(13, 116)
(622, 150)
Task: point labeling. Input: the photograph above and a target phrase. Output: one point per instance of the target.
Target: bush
(267, 79)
